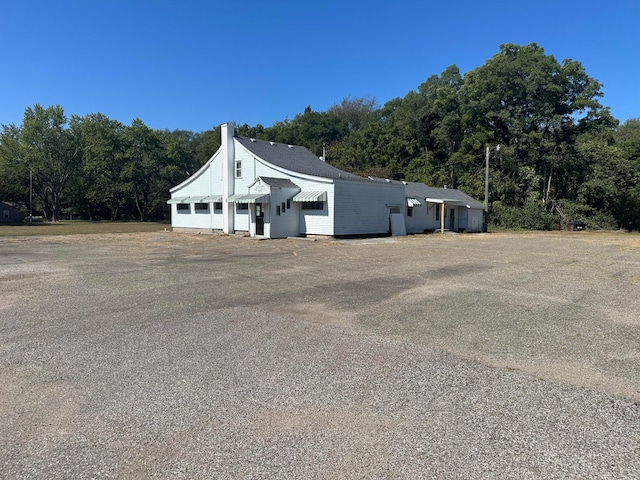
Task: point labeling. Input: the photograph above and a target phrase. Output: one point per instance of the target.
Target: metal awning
(413, 202)
(173, 200)
(212, 199)
(313, 196)
(249, 198)
(196, 199)
(448, 201)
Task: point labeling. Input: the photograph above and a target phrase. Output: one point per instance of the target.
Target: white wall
(206, 181)
(361, 208)
(423, 218)
(474, 220)
(287, 224)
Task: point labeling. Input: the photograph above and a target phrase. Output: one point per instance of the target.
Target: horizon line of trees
(563, 157)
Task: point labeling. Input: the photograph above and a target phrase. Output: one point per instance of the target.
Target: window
(409, 211)
(242, 207)
(238, 165)
(217, 206)
(313, 205)
(202, 207)
(278, 210)
(288, 203)
(394, 210)
(183, 207)
(284, 207)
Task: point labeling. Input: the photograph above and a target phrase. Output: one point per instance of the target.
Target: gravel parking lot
(165, 355)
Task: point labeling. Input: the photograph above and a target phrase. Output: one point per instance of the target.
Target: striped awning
(413, 202)
(173, 200)
(212, 199)
(313, 196)
(195, 199)
(249, 198)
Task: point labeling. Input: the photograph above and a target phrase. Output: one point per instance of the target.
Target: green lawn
(76, 227)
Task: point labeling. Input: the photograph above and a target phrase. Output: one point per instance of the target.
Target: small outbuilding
(12, 212)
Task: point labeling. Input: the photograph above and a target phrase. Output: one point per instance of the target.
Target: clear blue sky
(192, 64)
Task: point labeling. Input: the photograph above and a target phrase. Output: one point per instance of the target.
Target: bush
(532, 216)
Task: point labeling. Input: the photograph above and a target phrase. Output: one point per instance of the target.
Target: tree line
(556, 153)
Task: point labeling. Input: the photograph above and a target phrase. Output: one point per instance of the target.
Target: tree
(52, 152)
(153, 162)
(535, 107)
(100, 190)
(356, 113)
(12, 168)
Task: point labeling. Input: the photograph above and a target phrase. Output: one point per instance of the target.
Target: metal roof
(278, 182)
(452, 196)
(295, 158)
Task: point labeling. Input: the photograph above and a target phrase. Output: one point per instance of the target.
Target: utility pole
(30, 196)
(486, 180)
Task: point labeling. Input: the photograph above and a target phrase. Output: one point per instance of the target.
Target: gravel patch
(179, 356)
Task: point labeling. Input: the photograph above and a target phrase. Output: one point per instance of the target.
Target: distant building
(12, 212)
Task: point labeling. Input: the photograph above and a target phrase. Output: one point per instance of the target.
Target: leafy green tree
(153, 163)
(356, 113)
(52, 152)
(100, 192)
(206, 144)
(310, 129)
(535, 107)
(12, 168)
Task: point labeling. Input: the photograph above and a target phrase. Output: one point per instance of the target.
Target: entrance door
(259, 219)
(452, 219)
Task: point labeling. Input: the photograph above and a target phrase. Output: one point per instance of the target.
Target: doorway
(259, 219)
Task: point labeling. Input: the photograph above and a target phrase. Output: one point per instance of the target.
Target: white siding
(422, 218)
(362, 208)
(474, 220)
(310, 222)
(206, 181)
(287, 224)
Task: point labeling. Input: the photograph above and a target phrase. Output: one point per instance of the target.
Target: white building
(277, 190)
(274, 190)
(431, 208)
